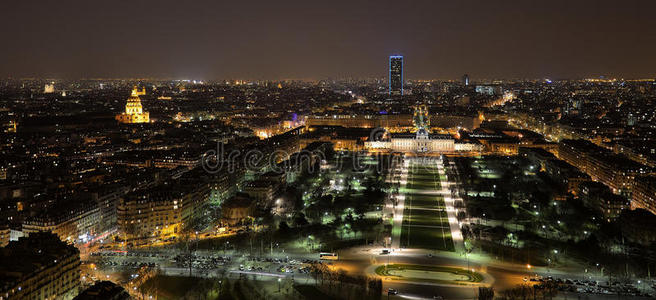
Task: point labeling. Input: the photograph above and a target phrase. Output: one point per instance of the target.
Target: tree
(283, 227)
(300, 220)
(485, 293)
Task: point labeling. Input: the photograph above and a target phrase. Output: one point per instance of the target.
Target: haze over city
(327, 39)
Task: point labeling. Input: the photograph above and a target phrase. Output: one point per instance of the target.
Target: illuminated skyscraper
(465, 79)
(396, 75)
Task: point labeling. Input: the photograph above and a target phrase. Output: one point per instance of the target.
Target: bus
(328, 256)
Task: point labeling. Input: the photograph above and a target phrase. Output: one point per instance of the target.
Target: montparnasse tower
(133, 110)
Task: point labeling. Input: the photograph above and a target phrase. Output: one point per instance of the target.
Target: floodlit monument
(422, 141)
(133, 110)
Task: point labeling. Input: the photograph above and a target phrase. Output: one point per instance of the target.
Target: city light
(216, 150)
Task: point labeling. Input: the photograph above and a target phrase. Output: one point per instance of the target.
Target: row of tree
(338, 284)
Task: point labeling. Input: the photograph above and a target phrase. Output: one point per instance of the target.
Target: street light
(220, 286)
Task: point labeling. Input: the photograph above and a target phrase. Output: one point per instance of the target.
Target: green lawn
(433, 273)
(425, 222)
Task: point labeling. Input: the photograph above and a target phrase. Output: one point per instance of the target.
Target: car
(384, 251)
(392, 291)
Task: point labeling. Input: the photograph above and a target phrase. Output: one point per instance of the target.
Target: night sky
(327, 39)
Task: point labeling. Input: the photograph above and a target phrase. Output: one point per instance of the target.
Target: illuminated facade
(615, 171)
(396, 75)
(49, 88)
(420, 142)
(72, 224)
(644, 193)
(161, 211)
(133, 110)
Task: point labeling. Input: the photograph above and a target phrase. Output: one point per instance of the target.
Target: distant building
(40, 266)
(133, 110)
(421, 141)
(573, 106)
(49, 88)
(631, 120)
(5, 234)
(107, 198)
(488, 90)
(465, 80)
(302, 162)
(71, 222)
(565, 174)
(362, 121)
(597, 196)
(614, 170)
(396, 75)
(395, 123)
(238, 208)
(105, 290)
(262, 190)
(160, 211)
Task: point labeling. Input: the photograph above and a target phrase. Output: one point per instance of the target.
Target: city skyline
(288, 40)
(288, 150)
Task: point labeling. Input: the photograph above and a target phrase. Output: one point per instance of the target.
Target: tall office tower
(396, 75)
(465, 79)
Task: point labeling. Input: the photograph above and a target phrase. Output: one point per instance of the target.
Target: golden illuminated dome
(133, 109)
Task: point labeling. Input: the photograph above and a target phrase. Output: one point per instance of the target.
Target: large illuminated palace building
(133, 110)
(422, 141)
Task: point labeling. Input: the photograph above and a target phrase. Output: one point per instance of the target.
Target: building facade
(396, 75)
(161, 211)
(5, 235)
(614, 170)
(72, 223)
(40, 266)
(421, 142)
(644, 193)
